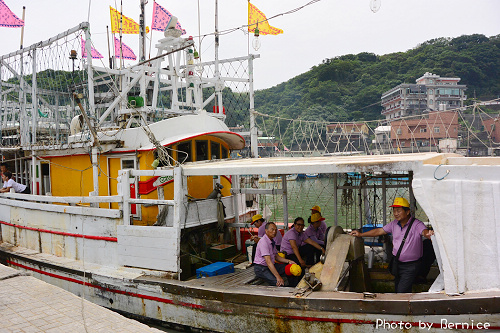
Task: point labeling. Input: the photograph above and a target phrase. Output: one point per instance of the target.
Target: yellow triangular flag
(129, 26)
(254, 16)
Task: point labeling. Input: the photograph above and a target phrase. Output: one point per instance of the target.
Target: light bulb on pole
(256, 41)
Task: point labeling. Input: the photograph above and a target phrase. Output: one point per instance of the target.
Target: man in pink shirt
(261, 223)
(293, 243)
(317, 210)
(316, 234)
(265, 257)
(411, 253)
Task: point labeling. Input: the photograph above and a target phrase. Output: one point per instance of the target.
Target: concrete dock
(31, 305)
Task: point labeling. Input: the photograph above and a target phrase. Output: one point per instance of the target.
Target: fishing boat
(101, 255)
(129, 198)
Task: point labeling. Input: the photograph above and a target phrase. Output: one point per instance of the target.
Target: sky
(324, 29)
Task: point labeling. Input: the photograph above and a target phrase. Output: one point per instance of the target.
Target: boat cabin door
(115, 164)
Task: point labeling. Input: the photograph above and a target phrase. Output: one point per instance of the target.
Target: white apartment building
(430, 93)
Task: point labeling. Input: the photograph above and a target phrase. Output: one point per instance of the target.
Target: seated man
(293, 243)
(9, 183)
(261, 223)
(317, 209)
(265, 257)
(316, 234)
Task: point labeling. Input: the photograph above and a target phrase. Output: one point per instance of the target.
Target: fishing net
(470, 131)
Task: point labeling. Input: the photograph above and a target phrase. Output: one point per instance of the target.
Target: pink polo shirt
(413, 248)
(265, 248)
(262, 232)
(292, 234)
(316, 235)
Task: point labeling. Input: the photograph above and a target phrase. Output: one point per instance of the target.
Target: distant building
(424, 131)
(430, 93)
(382, 136)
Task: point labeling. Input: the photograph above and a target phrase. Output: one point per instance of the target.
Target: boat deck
(239, 278)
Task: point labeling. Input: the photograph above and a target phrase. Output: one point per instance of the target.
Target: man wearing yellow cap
(411, 252)
(266, 255)
(260, 223)
(317, 210)
(315, 233)
(294, 241)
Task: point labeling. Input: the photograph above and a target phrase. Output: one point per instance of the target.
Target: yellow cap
(400, 202)
(318, 208)
(256, 217)
(281, 254)
(316, 217)
(295, 270)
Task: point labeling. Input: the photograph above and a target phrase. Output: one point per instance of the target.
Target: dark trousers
(265, 273)
(311, 254)
(304, 252)
(407, 272)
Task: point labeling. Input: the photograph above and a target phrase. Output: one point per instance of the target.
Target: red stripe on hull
(108, 239)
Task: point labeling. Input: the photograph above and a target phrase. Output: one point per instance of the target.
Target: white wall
(464, 209)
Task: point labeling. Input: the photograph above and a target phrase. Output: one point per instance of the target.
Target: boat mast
(142, 32)
(218, 86)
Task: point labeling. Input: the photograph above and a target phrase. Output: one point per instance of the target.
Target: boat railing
(70, 205)
(182, 212)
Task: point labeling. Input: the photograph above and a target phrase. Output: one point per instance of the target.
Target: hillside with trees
(349, 87)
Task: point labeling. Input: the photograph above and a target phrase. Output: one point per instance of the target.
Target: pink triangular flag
(161, 17)
(93, 52)
(127, 52)
(8, 18)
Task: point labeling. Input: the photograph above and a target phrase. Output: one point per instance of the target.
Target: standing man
(266, 255)
(411, 253)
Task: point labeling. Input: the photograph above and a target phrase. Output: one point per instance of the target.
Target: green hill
(349, 87)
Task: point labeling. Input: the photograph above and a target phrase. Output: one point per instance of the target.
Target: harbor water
(303, 194)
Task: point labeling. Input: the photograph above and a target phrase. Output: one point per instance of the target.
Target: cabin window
(128, 164)
(224, 152)
(423, 130)
(215, 150)
(45, 167)
(436, 129)
(184, 152)
(201, 150)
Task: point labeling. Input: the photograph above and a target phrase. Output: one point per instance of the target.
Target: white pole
(253, 129)
(285, 201)
(90, 74)
(33, 173)
(180, 190)
(124, 191)
(236, 208)
(142, 32)
(34, 101)
(218, 85)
